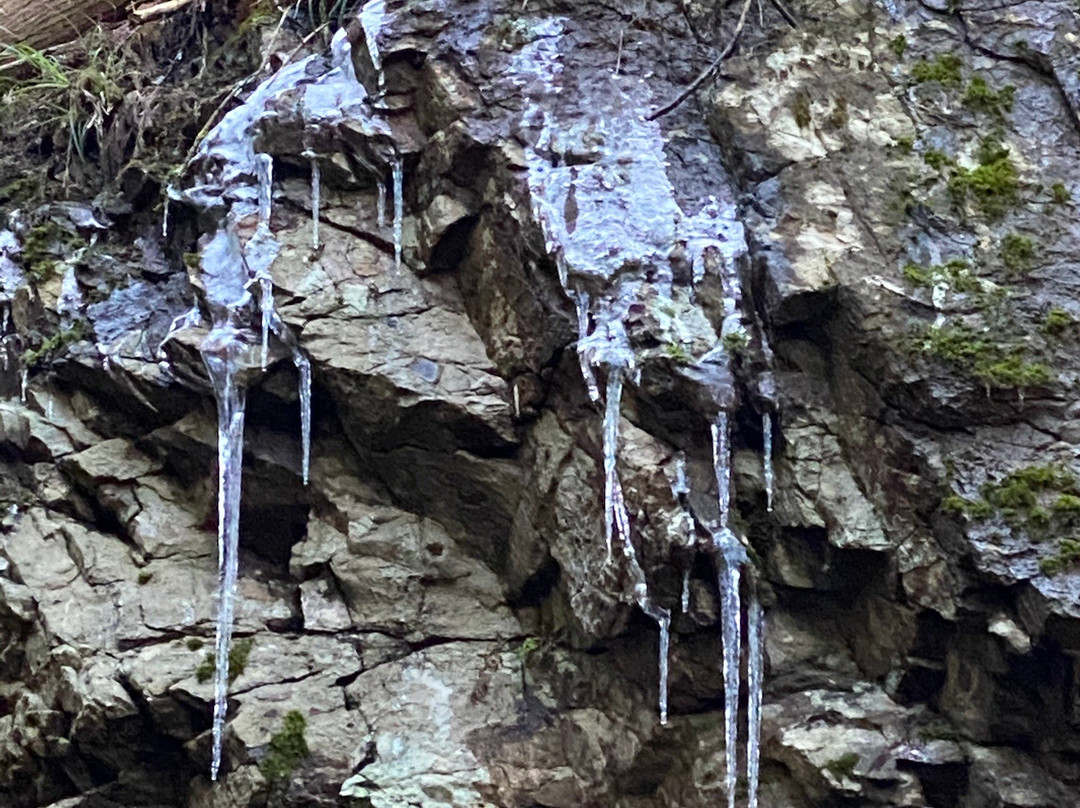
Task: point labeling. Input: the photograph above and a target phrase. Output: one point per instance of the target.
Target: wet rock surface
(432, 620)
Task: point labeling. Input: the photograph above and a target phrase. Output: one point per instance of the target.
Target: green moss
(843, 766)
(528, 647)
(937, 160)
(1059, 193)
(993, 184)
(1017, 252)
(1056, 321)
(945, 69)
(956, 274)
(736, 341)
(995, 364)
(800, 108)
(898, 45)
(238, 657)
(904, 144)
(955, 504)
(144, 577)
(194, 643)
(1039, 516)
(981, 97)
(50, 347)
(1067, 503)
(288, 747)
(1067, 555)
(42, 248)
(678, 353)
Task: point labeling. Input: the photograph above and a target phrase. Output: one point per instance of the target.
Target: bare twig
(789, 18)
(708, 71)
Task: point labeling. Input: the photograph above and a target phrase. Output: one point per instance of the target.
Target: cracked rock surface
(436, 602)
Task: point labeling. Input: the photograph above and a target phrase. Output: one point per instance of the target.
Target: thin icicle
(399, 210)
(165, 217)
(264, 164)
(581, 304)
(722, 465)
(316, 193)
(767, 459)
(266, 308)
(221, 365)
(303, 365)
(24, 382)
(665, 642)
(382, 204)
(730, 614)
(686, 591)
(48, 408)
(755, 677)
(614, 508)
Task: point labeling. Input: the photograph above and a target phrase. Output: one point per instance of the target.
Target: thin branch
(708, 71)
(789, 18)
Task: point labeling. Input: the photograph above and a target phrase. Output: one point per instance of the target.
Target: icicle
(755, 677)
(722, 465)
(664, 622)
(614, 508)
(730, 614)
(48, 408)
(24, 382)
(581, 303)
(767, 459)
(219, 357)
(264, 164)
(266, 308)
(165, 217)
(304, 367)
(686, 591)
(316, 193)
(7, 320)
(382, 204)
(399, 210)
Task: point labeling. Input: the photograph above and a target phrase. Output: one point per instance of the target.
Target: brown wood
(42, 23)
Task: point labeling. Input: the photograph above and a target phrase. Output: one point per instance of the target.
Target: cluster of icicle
(618, 224)
(231, 270)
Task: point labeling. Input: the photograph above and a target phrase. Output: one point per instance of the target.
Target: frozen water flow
(316, 194)
(581, 304)
(732, 556)
(612, 489)
(722, 465)
(303, 365)
(372, 18)
(266, 308)
(767, 458)
(382, 204)
(220, 353)
(24, 382)
(755, 677)
(664, 622)
(265, 165)
(685, 603)
(398, 211)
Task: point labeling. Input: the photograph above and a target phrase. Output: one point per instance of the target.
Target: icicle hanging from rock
(767, 459)
(731, 557)
(754, 681)
(382, 205)
(399, 209)
(303, 366)
(316, 198)
(220, 353)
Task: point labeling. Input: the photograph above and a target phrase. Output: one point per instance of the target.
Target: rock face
(431, 621)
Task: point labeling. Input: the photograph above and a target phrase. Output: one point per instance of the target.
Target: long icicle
(755, 678)
(722, 465)
(399, 210)
(382, 204)
(730, 614)
(767, 458)
(303, 365)
(614, 509)
(230, 403)
(316, 199)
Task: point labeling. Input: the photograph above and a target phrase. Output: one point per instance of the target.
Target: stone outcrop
(435, 605)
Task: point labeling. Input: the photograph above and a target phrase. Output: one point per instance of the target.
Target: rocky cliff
(859, 233)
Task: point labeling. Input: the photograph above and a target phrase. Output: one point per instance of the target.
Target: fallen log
(43, 23)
